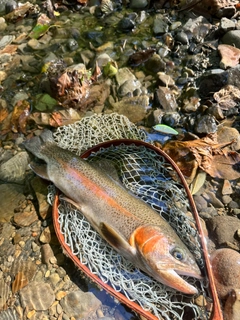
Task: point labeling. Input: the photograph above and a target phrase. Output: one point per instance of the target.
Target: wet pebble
(128, 88)
(222, 230)
(5, 40)
(80, 304)
(232, 38)
(37, 296)
(182, 37)
(226, 270)
(10, 196)
(5, 293)
(126, 25)
(226, 24)
(205, 124)
(26, 218)
(232, 305)
(138, 4)
(166, 99)
(160, 24)
(3, 24)
(165, 80)
(134, 107)
(124, 74)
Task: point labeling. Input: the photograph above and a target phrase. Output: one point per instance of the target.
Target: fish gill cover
(149, 177)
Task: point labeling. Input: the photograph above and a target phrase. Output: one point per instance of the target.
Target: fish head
(165, 259)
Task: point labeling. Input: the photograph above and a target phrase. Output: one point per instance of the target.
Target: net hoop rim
(216, 312)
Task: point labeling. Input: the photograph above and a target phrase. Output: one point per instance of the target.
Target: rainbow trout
(129, 225)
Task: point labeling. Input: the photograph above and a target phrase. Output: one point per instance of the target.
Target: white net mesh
(148, 176)
(95, 129)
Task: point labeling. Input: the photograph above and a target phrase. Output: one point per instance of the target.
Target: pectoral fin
(40, 170)
(72, 202)
(117, 241)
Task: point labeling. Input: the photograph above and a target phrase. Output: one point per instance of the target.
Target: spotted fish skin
(129, 225)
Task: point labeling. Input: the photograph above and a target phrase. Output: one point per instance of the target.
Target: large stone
(37, 296)
(80, 305)
(223, 229)
(14, 169)
(10, 196)
(5, 293)
(233, 38)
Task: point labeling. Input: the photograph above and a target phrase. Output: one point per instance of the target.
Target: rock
(171, 119)
(14, 170)
(9, 314)
(126, 24)
(45, 236)
(124, 74)
(54, 278)
(166, 99)
(205, 124)
(79, 304)
(41, 192)
(47, 254)
(5, 40)
(226, 134)
(138, 4)
(134, 108)
(3, 24)
(72, 44)
(129, 87)
(232, 305)
(226, 24)
(5, 293)
(201, 203)
(222, 230)
(37, 295)
(155, 64)
(26, 218)
(165, 80)
(211, 81)
(160, 24)
(198, 27)
(227, 188)
(232, 38)
(10, 196)
(226, 270)
(182, 37)
(102, 59)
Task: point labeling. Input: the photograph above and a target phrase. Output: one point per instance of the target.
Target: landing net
(149, 177)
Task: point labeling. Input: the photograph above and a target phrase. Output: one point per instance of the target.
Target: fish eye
(178, 254)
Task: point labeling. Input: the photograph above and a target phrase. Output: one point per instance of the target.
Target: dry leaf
(230, 56)
(209, 156)
(227, 97)
(19, 282)
(56, 119)
(3, 113)
(10, 48)
(19, 115)
(198, 182)
(64, 83)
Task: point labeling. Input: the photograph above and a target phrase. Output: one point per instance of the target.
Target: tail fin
(35, 144)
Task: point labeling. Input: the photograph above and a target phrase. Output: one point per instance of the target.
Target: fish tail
(35, 145)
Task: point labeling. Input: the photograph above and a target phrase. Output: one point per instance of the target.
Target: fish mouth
(189, 273)
(172, 279)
